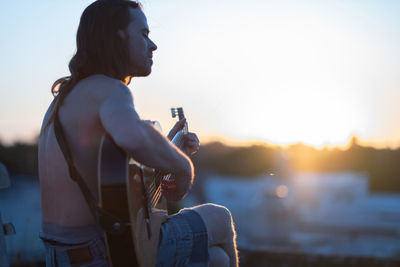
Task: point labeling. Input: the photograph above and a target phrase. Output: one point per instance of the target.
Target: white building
(330, 213)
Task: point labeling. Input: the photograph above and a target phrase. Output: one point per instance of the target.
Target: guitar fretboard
(154, 192)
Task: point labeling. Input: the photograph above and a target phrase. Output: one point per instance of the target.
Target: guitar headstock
(177, 112)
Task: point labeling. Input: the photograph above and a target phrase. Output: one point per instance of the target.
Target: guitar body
(122, 193)
(113, 174)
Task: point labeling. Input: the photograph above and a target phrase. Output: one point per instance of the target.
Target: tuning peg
(173, 112)
(180, 111)
(177, 112)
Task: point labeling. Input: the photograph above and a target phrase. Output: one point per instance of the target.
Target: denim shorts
(57, 253)
(183, 241)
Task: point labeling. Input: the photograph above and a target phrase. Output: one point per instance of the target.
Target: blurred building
(323, 213)
(328, 213)
(20, 205)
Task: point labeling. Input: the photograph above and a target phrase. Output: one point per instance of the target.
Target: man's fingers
(191, 144)
(192, 137)
(177, 127)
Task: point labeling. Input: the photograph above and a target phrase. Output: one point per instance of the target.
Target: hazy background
(284, 72)
(295, 104)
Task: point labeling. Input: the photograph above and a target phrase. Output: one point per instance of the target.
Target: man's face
(140, 46)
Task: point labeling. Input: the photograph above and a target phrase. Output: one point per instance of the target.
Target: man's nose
(153, 46)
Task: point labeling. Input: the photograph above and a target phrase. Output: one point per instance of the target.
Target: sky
(316, 72)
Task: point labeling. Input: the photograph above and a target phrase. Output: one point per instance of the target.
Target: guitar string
(157, 194)
(155, 183)
(155, 188)
(156, 198)
(156, 191)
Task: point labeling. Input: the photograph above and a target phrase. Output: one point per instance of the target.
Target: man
(113, 45)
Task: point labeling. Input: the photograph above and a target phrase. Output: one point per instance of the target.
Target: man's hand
(177, 127)
(192, 143)
(169, 190)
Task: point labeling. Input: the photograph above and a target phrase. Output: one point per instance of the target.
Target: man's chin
(142, 72)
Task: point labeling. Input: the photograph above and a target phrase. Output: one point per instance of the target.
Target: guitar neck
(179, 138)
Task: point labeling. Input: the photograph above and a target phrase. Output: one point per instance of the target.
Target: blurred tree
(382, 165)
(20, 158)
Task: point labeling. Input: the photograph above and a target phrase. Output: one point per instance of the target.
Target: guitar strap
(108, 222)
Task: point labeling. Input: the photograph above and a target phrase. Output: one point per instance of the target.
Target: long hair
(100, 49)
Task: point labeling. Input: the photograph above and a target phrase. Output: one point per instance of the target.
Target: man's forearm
(156, 151)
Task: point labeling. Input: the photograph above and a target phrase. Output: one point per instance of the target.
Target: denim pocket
(58, 254)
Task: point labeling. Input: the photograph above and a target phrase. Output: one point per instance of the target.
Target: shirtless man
(113, 46)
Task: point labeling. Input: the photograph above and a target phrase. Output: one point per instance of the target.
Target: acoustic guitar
(132, 193)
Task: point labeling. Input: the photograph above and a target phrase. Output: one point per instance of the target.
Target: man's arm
(141, 140)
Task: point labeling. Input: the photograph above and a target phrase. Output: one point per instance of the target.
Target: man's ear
(122, 34)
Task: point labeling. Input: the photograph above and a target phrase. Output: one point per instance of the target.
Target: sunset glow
(280, 72)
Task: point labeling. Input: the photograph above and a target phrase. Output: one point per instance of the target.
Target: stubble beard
(141, 71)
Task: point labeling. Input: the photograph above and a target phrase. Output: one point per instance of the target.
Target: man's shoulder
(101, 81)
(102, 87)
